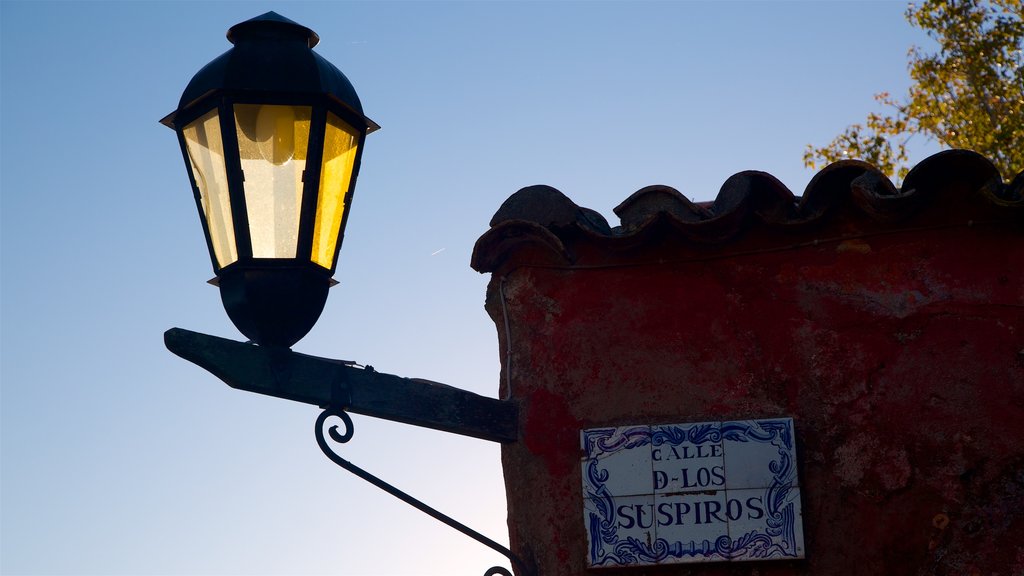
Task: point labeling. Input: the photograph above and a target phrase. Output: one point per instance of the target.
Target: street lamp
(272, 135)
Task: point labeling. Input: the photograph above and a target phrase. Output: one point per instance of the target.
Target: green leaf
(969, 94)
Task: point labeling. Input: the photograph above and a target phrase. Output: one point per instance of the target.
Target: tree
(969, 94)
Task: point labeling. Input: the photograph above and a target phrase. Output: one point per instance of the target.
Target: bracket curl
(344, 437)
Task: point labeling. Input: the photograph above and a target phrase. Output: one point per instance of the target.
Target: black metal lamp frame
(273, 301)
(224, 103)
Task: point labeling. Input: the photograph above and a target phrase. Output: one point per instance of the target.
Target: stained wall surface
(888, 323)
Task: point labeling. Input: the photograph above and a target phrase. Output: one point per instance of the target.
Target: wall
(889, 324)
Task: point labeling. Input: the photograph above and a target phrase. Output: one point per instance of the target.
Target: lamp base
(273, 306)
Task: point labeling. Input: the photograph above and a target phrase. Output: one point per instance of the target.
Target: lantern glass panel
(341, 142)
(273, 142)
(205, 148)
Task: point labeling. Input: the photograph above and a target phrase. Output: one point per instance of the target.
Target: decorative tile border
(697, 492)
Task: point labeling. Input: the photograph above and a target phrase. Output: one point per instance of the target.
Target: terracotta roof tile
(539, 225)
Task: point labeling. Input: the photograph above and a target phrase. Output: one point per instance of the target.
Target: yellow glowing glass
(206, 154)
(272, 146)
(340, 144)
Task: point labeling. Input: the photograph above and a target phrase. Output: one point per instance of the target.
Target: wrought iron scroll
(344, 437)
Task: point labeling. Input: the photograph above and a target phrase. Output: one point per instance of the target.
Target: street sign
(697, 492)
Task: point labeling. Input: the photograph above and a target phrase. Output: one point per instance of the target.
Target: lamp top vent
(271, 26)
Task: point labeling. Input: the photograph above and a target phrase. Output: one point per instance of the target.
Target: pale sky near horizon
(117, 457)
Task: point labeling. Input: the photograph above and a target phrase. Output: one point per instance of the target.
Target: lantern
(272, 135)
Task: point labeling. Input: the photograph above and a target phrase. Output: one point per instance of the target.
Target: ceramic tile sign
(699, 492)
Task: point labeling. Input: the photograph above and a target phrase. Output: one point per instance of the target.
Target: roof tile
(539, 225)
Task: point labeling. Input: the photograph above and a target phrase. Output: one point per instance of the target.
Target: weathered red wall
(896, 346)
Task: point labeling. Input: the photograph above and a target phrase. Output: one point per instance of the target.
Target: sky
(117, 457)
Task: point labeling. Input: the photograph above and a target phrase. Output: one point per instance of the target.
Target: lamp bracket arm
(324, 382)
(343, 437)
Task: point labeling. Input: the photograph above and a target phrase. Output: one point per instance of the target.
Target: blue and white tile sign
(681, 493)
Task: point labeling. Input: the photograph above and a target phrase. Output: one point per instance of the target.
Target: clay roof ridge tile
(1015, 190)
(541, 217)
(550, 208)
(510, 236)
(646, 204)
(938, 172)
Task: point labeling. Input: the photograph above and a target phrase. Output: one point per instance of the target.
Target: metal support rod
(362, 390)
(397, 493)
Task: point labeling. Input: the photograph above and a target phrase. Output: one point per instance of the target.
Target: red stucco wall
(898, 349)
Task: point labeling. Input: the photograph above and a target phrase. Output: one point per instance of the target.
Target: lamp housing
(272, 137)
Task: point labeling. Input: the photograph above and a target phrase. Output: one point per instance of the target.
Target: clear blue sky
(120, 458)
